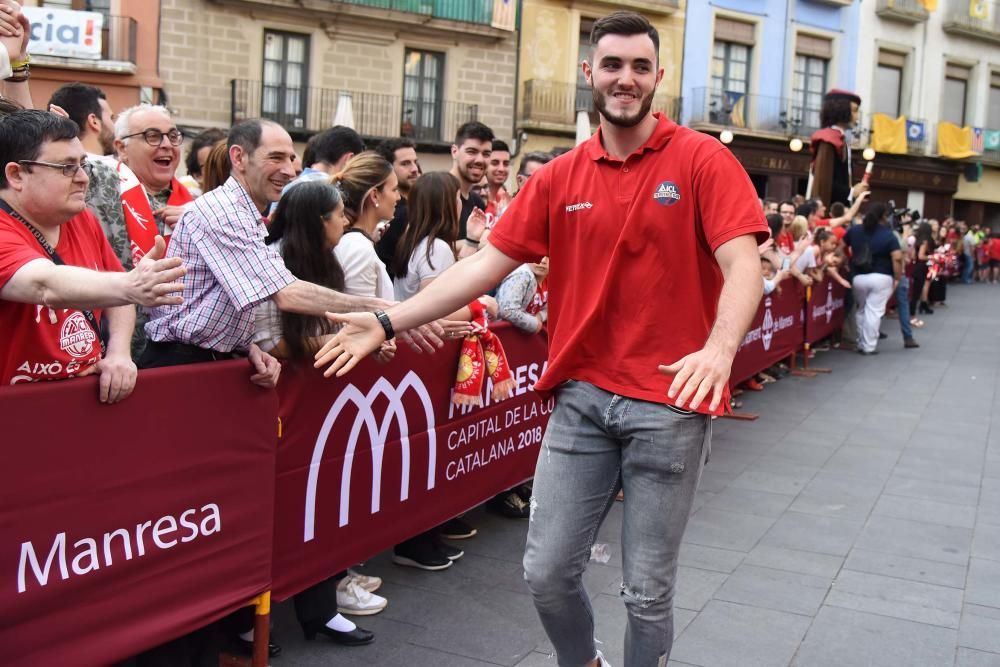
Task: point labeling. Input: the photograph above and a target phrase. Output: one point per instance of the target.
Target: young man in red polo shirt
(652, 230)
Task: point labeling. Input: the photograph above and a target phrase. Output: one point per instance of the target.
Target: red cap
(837, 93)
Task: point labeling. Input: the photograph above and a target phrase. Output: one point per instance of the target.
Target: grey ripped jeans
(597, 443)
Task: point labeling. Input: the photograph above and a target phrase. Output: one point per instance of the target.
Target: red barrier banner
(825, 310)
(381, 455)
(776, 332)
(123, 526)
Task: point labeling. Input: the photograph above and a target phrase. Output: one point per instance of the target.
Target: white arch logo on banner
(377, 435)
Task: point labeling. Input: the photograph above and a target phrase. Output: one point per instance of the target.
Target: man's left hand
(118, 374)
(267, 368)
(170, 215)
(696, 375)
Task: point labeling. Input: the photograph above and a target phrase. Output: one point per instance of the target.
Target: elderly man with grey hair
(137, 197)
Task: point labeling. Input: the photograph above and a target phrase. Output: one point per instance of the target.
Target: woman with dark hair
(427, 247)
(308, 223)
(197, 156)
(925, 246)
(876, 264)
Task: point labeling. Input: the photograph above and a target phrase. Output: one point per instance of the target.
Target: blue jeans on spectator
(903, 306)
(597, 443)
(968, 268)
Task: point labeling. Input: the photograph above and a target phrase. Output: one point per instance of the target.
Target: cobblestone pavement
(857, 522)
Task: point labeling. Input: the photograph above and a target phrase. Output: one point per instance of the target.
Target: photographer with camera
(876, 262)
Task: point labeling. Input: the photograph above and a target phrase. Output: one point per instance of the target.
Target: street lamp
(795, 145)
(726, 137)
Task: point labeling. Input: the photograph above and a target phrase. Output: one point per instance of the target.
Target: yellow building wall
(986, 189)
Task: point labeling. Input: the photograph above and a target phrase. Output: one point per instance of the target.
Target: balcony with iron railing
(904, 11)
(777, 116)
(917, 131)
(961, 19)
(556, 104)
(466, 11)
(304, 111)
(118, 49)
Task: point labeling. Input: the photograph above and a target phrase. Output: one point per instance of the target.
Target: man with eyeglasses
(146, 199)
(65, 302)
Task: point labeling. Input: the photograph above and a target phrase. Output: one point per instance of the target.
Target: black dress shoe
(882, 336)
(245, 647)
(355, 637)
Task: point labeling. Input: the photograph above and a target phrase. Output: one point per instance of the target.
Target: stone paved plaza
(856, 523)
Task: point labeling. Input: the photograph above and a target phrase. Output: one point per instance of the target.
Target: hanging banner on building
(504, 14)
(64, 32)
(776, 332)
(825, 310)
(123, 526)
(380, 455)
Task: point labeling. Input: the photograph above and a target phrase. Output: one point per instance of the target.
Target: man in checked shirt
(230, 269)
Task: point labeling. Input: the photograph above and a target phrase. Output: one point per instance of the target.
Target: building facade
(555, 39)
(934, 66)
(756, 71)
(418, 68)
(112, 44)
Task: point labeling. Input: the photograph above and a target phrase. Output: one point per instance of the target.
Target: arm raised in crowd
(362, 334)
(150, 283)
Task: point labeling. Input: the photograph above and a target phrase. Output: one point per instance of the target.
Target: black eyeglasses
(68, 170)
(155, 137)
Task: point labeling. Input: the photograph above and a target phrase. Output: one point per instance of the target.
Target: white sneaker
(370, 584)
(356, 601)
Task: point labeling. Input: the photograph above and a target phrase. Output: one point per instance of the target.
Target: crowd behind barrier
(111, 554)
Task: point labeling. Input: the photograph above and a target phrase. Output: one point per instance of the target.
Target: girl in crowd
(523, 298)
(924, 249)
(308, 224)
(370, 189)
(426, 249)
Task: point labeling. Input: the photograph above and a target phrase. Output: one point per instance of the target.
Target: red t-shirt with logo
(41, 343)
(633, 280)
(786, 242)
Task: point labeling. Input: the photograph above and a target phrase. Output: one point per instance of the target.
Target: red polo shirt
(633, 282)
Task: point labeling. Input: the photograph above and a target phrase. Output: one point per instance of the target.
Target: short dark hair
(821, 234)
(534, 156)
(387, 148)
(624, 23)
(837, 210)
(500, 146)
(473, 130)
(332, 144)
(79, 100)
(807, 209)
(22, 134)
(786, 202)
(204, 139)
(8, 105)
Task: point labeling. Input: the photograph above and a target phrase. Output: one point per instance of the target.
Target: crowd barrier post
(261, 628)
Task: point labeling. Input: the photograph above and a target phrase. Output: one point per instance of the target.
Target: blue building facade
(756, 70)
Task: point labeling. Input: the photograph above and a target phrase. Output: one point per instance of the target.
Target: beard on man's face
(621, 120)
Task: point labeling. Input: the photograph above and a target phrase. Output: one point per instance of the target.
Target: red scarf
(139, 220)
(481, 355)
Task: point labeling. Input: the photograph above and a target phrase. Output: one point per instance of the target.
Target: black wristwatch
(383, 319)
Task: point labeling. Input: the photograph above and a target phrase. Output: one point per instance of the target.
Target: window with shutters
(423, 78)
(954, 94)
(730, 73)
(809, 79)
(285, 82)
(993, 111)
(888, 90)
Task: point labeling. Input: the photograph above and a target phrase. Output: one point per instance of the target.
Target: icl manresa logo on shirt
(667, 193)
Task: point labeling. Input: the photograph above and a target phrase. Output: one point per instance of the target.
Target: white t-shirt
(807, 260)
(418, 269)
(364, 272)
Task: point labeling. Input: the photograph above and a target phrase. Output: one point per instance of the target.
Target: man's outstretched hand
(696, 376)
(361, 334)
